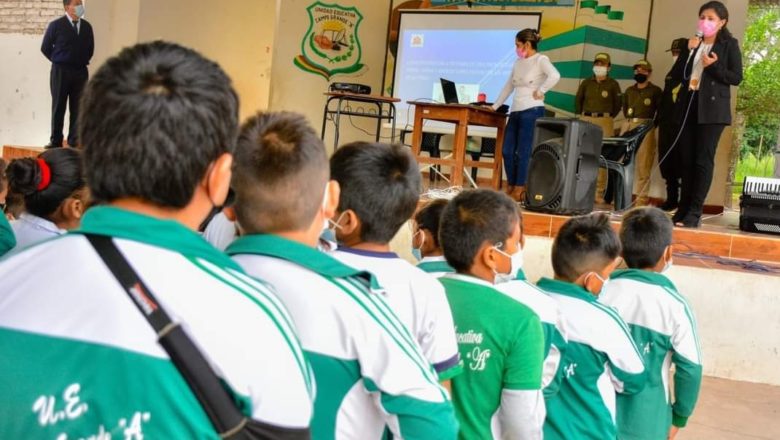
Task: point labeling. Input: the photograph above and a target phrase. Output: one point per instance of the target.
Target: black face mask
(640, 78)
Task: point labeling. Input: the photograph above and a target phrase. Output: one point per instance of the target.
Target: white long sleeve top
(535, 73)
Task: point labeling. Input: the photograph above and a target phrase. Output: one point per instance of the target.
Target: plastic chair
(617, 156)
(430, 143)
(487, 149)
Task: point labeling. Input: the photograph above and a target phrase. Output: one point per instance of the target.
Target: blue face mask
(417, 252)
(80, 11)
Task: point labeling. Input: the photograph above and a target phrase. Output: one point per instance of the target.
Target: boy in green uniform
(500, 340)
(601, 358)
(640, 105)
(663, 326)
(598, 102)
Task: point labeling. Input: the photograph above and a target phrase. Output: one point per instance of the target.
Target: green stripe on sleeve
(7, 238)
(418, 419)
(277, 316)
(687, 383)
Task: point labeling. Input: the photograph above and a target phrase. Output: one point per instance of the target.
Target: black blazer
(714, 95)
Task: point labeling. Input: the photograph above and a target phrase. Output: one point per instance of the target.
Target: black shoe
(679, 216)
(669, 205)
(51, 145)
(690, 221)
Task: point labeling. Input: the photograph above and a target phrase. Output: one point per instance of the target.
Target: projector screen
(476, 50)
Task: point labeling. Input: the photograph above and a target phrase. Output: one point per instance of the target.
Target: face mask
(335, 225)
(640, 78)
(516, 263)
(417, 251)
(604, 283)
(80, 11)
(708, 28)
(600, 71)
(520, 53)
(674, 58)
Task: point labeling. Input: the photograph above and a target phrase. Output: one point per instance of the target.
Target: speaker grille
(545, 175)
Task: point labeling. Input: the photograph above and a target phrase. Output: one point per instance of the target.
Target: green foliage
(750, 165)
(759, 93)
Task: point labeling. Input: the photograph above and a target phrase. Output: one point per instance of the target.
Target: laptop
(449, 90)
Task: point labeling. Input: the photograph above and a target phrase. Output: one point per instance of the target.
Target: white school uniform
(30, 230)
(86, 361)
(418, 299)
(371, 372)
(220, 231)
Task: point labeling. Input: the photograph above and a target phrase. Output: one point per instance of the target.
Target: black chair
(430, 144)
(617, 156)
(487, 149)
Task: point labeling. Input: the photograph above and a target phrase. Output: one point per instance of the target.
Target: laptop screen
(450, 92)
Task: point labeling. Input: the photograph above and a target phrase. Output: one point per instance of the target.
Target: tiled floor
(729, 410)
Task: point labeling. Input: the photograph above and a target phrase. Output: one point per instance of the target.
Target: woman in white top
(532, 76)
(54, 194)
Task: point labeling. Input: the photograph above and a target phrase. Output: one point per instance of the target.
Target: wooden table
(385, 111)
(462, 115)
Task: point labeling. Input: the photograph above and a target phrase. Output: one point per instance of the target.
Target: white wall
(25, 99)
(237, 34)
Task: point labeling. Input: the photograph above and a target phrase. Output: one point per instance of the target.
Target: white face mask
(333, 225)
(80, 11)
(667, 266)
(674, 58)
(604, 283)
(516, 263)
(600, 71)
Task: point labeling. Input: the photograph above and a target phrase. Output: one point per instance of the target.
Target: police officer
(668, 127)
(640, 103)
(598, 102)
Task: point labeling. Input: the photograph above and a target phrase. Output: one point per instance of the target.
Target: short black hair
(152, 120)
(429, 217)
(279, 173)
(584, 244)
(645, 234)
(65, 178)
(380, 183)
(471, 219)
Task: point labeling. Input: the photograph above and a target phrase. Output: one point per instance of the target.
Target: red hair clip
(45, 174)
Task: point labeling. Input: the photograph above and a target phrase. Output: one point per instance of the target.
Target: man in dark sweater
(69, 45)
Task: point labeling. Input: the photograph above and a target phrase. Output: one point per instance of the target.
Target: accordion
(760, 205)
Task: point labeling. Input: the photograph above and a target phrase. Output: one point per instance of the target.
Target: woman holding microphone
(712, 64)
(532, 76)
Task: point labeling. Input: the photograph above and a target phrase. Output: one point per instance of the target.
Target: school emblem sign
(331, 45)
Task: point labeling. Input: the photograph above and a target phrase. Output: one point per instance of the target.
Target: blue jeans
(518, 138)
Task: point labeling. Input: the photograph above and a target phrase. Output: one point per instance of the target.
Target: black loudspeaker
(563, 167)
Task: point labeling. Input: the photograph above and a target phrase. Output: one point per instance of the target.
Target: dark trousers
(66, 83)
(669, 160)
(518, 137)
(698, 143)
